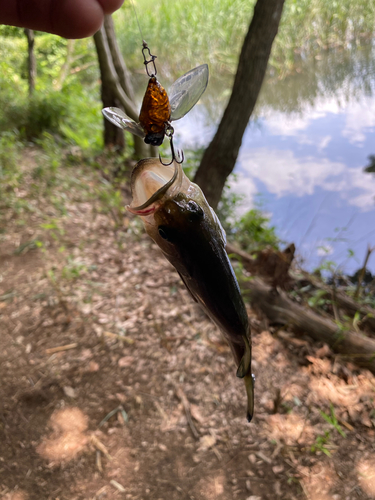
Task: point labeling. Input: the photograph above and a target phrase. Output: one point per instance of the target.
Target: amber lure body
(155, 112)
(158, 110)
(191, 237)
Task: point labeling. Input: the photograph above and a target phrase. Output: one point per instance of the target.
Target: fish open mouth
(150, 181)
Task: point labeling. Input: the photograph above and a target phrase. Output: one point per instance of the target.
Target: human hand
(67, 18)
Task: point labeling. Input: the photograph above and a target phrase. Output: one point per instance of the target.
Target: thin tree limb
(363, 271)
(104, 54)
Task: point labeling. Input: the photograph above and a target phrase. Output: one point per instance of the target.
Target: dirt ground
(114, 384)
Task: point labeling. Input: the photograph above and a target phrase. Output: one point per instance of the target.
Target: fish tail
(244, 371)
(249, 384)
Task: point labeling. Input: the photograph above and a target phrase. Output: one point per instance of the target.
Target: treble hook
(152, 60)
(174, 158)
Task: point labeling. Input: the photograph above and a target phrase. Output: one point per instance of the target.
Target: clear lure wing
(186, 91)
(119, 118)
(183, 95)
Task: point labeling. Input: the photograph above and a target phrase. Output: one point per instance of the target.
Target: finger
(67, 18)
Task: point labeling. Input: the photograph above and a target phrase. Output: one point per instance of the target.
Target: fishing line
(145, 48)
(139, 26)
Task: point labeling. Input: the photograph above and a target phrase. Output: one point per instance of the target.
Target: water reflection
(305, 151)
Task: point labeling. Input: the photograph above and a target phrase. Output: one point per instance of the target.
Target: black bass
(178, 218)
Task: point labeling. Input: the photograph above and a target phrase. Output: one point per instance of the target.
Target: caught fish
(158, 110)
(178, 218)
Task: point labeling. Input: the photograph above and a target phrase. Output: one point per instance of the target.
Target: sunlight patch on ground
(290, 429)
(212, 488)
(68, 438)
(264, 347)
(16, 495)
(366, 475)
(337, 393)
(318, 482)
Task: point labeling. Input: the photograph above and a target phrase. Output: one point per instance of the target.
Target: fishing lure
(178, 218)
(158, 110)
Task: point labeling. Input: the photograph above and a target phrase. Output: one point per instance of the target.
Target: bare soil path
(95, 325)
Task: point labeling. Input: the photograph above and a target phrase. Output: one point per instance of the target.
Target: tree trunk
(220, 157)
(118, 60)
(65, 68)
(31, 60)
(113, 93)
(113, 136)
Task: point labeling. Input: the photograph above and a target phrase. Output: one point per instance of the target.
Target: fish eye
(165, 233)
(195, 211)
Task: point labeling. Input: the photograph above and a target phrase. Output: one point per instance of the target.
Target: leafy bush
(10, 173)
(253, 231)
(73, 115)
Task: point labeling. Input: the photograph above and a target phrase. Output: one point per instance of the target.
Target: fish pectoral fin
(188, 289)
(244, 368)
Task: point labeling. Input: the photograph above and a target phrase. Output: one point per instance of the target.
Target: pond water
(303, 155)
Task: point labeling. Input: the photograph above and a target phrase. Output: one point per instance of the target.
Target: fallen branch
(281, 310)
(276, 269)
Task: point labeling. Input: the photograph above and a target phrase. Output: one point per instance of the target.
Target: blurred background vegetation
(64, 111)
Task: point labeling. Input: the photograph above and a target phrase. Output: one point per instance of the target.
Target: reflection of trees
(349, 71)
(371, 165)
(340, 74)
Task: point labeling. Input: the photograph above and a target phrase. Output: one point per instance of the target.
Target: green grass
(184, 34)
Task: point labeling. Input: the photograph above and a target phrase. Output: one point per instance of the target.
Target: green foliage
(332, 420)
(73, 270)
(318, 299)
(253, 231)
(214, 29)
(320, 442)
(10, 172)
(73, 116)
(370, 168)
(192, 161)
(203, 30)
(111, 202)
(228, 207)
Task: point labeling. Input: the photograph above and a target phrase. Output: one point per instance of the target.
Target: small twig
(346, 424)
(362, 273)
(99, 461)
(100, 446)
(61, 348)
(117, 485)
(185, 403)
(334, 303)
(161, 411)
(263, 457)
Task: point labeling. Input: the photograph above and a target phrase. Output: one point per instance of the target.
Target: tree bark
(278, 308)
(31, 60)
(340, 299)
(220, 157)
(65, 69)
(118, 60)
(114, 94)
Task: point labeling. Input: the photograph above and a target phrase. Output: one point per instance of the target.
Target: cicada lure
(158, 110)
